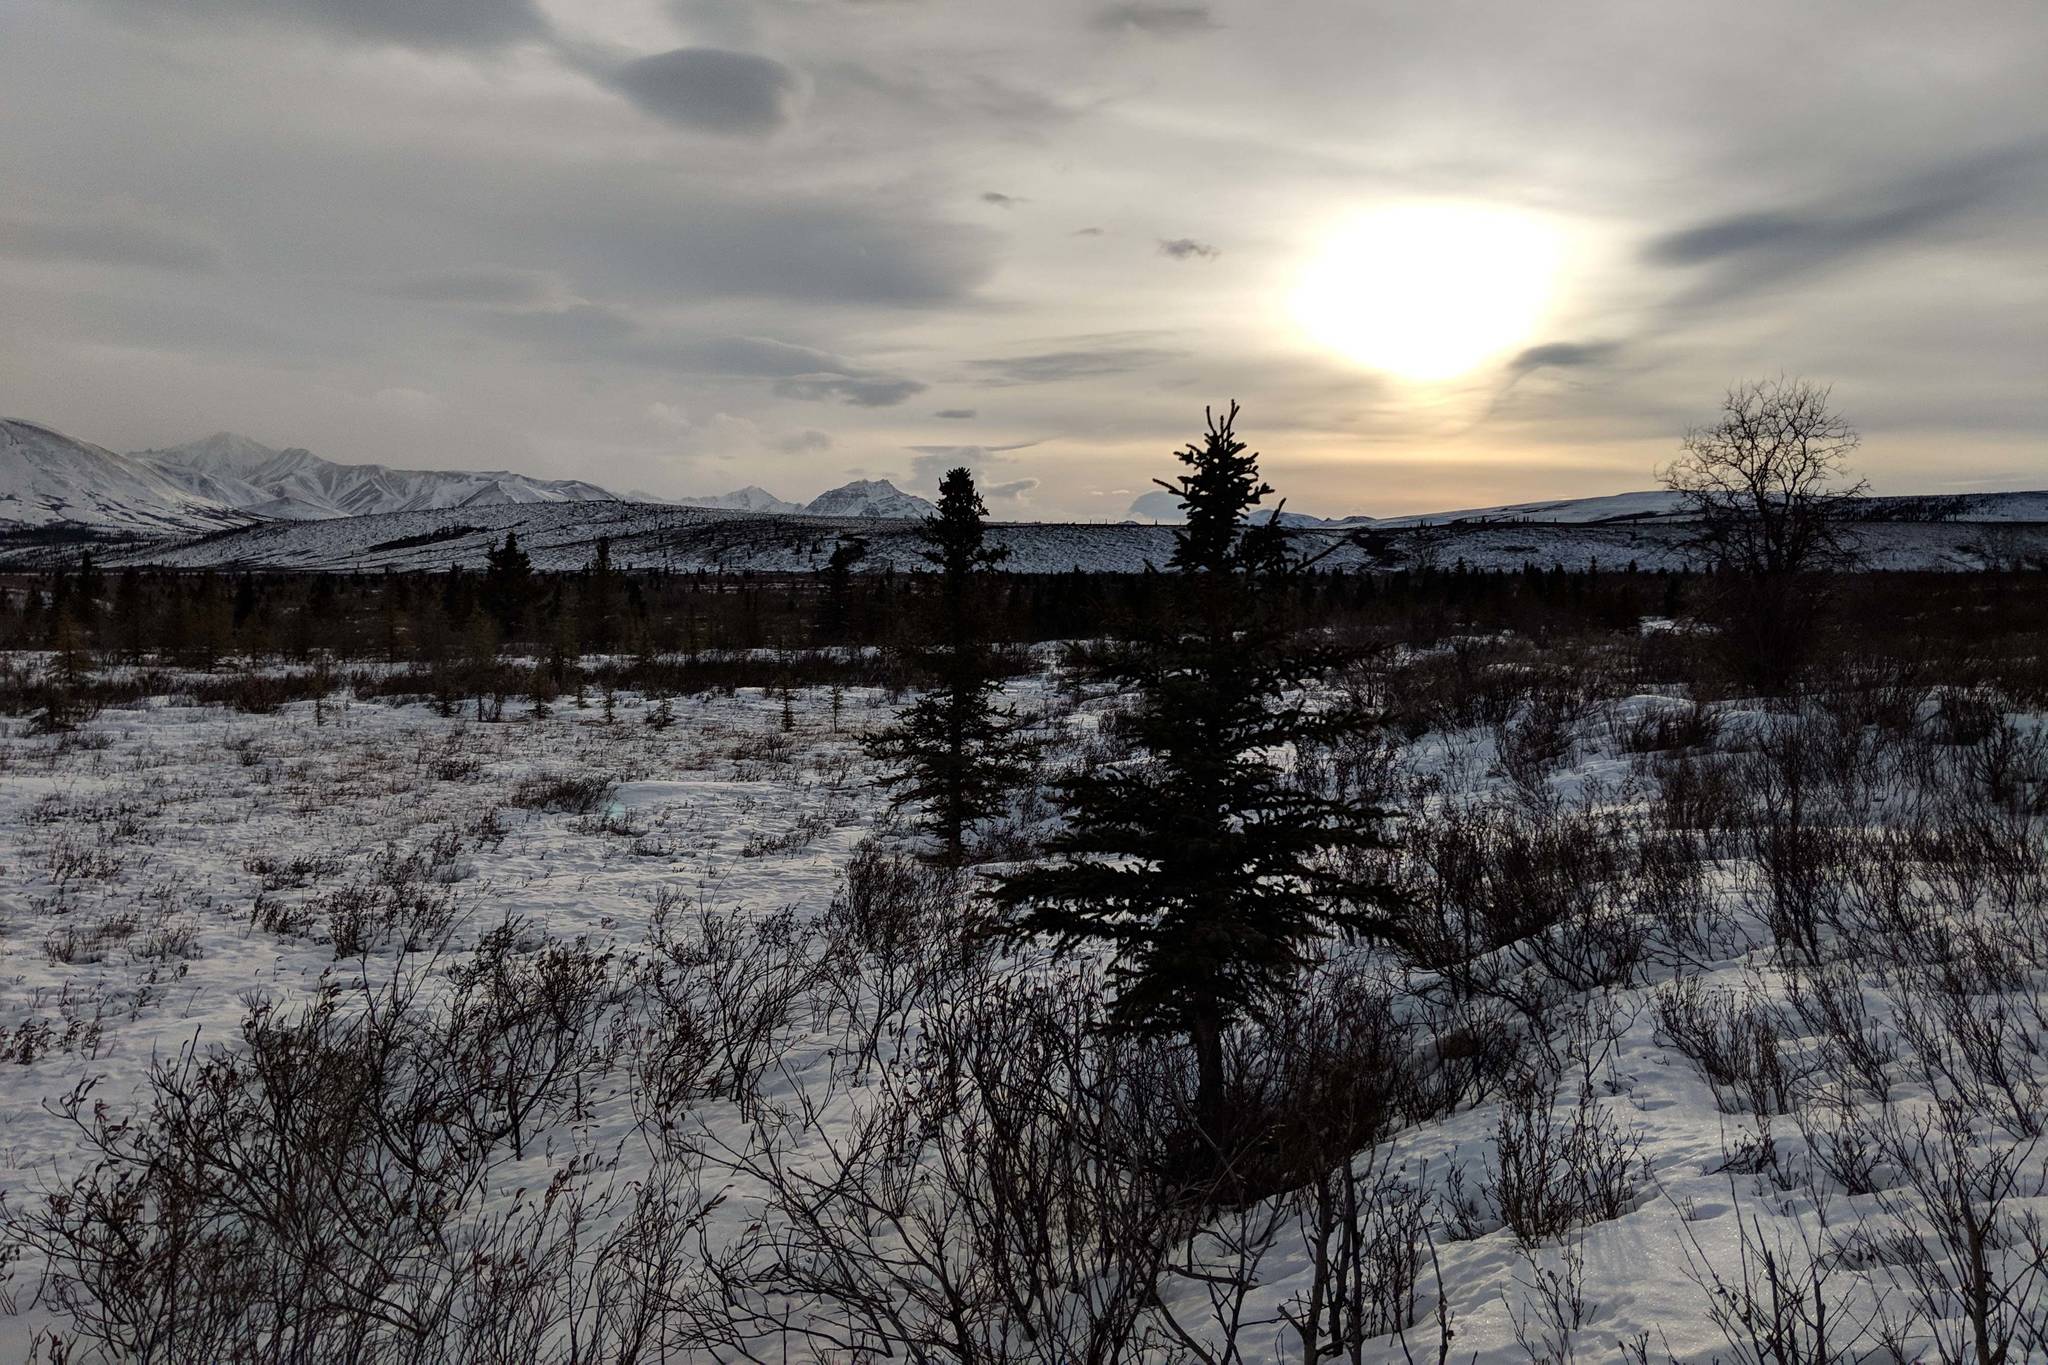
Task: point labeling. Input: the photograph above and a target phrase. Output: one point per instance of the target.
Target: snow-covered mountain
(49, 479)
(297, 485)
(752, 498)
(868, 498)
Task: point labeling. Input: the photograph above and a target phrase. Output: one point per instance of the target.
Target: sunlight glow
(1429, 291)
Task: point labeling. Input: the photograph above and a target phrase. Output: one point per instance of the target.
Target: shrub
(571, 793)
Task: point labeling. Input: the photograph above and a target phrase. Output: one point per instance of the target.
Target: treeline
(657, 622)
(199, 618)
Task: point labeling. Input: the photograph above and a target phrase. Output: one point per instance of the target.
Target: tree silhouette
(508, 588)
(1202, 867)
(955, 750)
(838, 578)
(1767, 489)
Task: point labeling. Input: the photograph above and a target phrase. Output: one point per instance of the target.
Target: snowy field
(1725, 1041)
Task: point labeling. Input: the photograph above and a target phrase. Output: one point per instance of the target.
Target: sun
(1429, 291)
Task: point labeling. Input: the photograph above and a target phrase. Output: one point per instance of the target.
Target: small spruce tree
(1201, 866)
(955, 751)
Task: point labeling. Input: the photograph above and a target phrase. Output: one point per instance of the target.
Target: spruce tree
(508, 587)
(838, 576)
(599, 595)
(1202, 868)
(955, 750)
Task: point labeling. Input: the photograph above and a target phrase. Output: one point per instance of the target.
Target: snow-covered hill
(641, 535)
(1648, 505)
(297, 485)
(645, 535)
(1612, 507)
(49, 480)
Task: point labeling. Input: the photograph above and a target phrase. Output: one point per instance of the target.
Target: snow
(1568, 511)
(167, 817)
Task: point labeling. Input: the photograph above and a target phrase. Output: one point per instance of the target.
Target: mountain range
(52, 481)
(251, 504)
(297, 485)
(871, 499)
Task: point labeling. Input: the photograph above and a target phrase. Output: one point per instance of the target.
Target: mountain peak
(224, 452)
(752, 498)
(294, 484)
(869, 498)
(47, 478)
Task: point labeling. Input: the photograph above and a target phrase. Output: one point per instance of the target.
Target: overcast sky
(685, 246)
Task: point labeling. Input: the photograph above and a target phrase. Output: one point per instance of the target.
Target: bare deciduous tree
(1769, 479)
(1768, 486)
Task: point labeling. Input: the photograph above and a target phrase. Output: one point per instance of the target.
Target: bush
(1552, 1171)
(570, 793)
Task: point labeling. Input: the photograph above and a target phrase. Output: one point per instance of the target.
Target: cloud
(999, 199)
(797, 442)
(800, 372)
(863, 391)
(591, 331)
(766, 356)
(1155, 20)
(669, 416)
(1088, 232)
(500, 286)
(1013, 491)
(578, 329)
(641, 238)
(105, 241)
(412, 403)
(1756, 246)
(955, 414)
(1158, 505)
(411, 23)
(931, 463)
(1052, 367)
(427, 23)
(1710, 241)
(1187, 249)
(969, 452)
(712, 90)
(1563, 355)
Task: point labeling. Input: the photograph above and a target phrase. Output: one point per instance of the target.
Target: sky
(1445, 254)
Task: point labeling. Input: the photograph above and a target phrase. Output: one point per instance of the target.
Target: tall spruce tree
(598, 596)
(1201, 866)
(508, 587)
(955, 749)
(838, 578)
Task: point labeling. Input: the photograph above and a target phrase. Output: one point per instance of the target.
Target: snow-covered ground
(167, 868)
